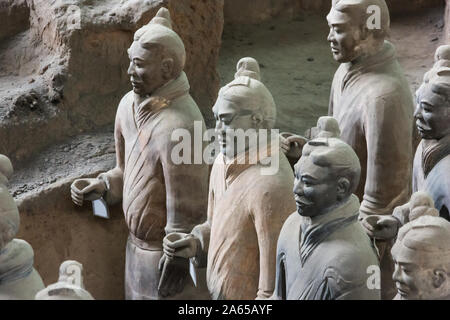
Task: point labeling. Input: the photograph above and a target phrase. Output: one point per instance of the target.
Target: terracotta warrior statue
(158, 195)
(422, 260)
(323, 252)
(247, 206)
(18, 278)
(431, 172)
(70, 284)
(442, 57)
(372, 102)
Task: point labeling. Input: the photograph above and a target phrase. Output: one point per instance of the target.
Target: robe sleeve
(269, 213)
(345, 284)
(186, 186)
(203, 233)
(114, 178)
(388, 130)
(279, 293)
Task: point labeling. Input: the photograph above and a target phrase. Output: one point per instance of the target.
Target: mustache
(423, 126)
(400, 286)
(303, 201)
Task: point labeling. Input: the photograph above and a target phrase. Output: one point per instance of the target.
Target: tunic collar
(315, 231)
(16, 261)
(434, 151)
(234, 167)
(384, 56)
(160, 99)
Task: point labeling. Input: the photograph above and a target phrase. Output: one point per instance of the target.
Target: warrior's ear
(343, 188)
(257, 119)
(439, 277)
(167, 68)
(364, 32)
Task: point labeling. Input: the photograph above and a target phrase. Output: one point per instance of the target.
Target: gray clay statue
(158, 196)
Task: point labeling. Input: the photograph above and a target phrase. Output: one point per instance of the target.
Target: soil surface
(296, 66)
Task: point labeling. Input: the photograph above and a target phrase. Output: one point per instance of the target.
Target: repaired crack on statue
(70, 285)
(246, 208)
(159, 197)
(18, 278)
(323, 252)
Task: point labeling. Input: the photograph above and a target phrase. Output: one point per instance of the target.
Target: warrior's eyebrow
(336, 23)
(308, 176)
(224, 115)
(406, 264)
(424, 100)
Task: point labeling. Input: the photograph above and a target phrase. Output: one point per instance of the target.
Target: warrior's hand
(292, 145)
(381, 227)
(180, 245)
(87, 189)
(174, 273)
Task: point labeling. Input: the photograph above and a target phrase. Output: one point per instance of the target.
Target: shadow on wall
(251, 12)
(58, 231)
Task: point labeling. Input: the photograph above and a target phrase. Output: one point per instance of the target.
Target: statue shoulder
(290, 228)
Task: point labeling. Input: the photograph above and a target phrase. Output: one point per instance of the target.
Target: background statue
(431, 172)
(422, 260)
(323, 252)
(246, 208)
(18, 278)
(70, 285)
(158, 196)
(372, 102)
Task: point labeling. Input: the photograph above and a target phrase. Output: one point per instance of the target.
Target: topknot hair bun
(248, 67)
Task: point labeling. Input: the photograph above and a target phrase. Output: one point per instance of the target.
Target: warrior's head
(433, 104)
(244, 104)
(357, 28)
(69, 286)
(327, 173)
(157, 55)
(422, 259)
(9, 215)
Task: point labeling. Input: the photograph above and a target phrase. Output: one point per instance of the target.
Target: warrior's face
(147, 71)
(344, 36)
(231, 121)
(415, 278)
(432, 114)
(315, 188)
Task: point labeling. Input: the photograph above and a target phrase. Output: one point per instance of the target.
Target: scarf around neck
(161, 99)
(434, 151)
(16, 261)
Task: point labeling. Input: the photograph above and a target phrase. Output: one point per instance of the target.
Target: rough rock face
(63, 63)
(250, 12)
(58, 231)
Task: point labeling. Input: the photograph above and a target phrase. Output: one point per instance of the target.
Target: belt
(146, 245)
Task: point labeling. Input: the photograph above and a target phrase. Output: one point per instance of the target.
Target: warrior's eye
(426, 107)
